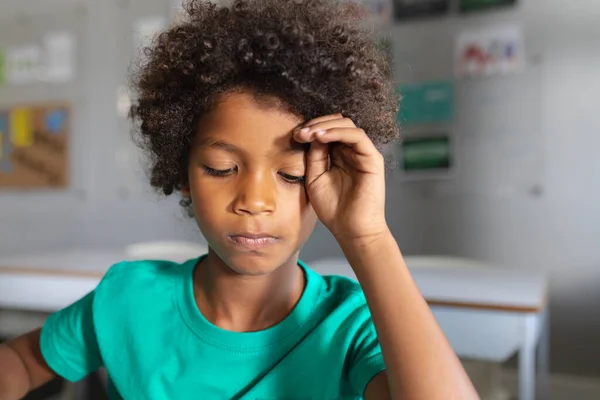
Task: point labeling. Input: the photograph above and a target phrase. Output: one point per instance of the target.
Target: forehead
(252, 124)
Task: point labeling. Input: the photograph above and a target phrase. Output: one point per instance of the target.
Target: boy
(265, 117)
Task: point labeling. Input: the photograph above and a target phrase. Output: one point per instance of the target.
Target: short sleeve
(68, 340)
(367, 360)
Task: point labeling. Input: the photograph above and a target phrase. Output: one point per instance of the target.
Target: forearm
(14, 378)
(420, 364)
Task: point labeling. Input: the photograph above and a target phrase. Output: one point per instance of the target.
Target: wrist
(372, 255)
(365, 241)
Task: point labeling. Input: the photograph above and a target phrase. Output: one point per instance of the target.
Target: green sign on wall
(426, 153)
(474, 5)
(423, 103)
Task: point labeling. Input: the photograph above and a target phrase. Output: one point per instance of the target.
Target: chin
(253, 264)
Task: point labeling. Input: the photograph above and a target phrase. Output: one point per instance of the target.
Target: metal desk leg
(543, 356)
(527, 359)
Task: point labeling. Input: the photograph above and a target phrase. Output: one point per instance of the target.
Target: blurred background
(499, 163)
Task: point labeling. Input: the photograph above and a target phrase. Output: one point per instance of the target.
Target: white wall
(488, 210)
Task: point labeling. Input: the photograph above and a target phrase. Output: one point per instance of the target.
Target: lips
(253, 240)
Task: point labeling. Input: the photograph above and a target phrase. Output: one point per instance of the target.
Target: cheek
(308, 218)
(208, 203)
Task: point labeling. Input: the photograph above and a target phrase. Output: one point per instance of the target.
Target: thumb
(317, 161)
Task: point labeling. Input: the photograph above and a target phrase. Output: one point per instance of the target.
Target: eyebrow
(219, 144)
(293, 147)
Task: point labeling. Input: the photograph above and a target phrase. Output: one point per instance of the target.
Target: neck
(246, 303)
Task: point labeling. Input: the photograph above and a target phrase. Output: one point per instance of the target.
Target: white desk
(486, 314)
(49, 282)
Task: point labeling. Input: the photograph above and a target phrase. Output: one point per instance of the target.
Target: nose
(255, 194)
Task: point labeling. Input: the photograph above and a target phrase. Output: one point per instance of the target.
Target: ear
(185, 190)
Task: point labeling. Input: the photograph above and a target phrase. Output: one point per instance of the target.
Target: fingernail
(304, 130)
(319, 132)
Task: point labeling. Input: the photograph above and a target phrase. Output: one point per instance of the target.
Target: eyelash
(292, 178)
(218, 172)
(221, 173)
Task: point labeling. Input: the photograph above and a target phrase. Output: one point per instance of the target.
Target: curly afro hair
(313, 56)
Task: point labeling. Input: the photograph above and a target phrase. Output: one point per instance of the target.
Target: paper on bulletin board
(23, 64)
(494, 51)
(426, 103)
(59, 60)
(34, 146)
(21, 127)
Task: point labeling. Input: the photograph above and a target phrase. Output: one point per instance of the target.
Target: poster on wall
(426, 103)
(406, 9)
(494, 51)
(52, 62)
(426, 154)
(34, 146)
(477, 5)
(23, 64)
(59, 57)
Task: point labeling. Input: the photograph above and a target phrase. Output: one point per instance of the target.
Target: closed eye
(218, 172)
(292, 178)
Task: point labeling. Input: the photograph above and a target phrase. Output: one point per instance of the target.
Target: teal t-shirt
(143, 325)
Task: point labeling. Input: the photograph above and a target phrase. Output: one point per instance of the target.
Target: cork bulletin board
(34, 146)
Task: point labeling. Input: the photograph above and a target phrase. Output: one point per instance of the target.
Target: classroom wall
(522, 212)
(526, 189)
(108, 202)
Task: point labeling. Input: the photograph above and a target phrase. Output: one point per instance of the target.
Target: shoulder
(140, 270)
(341, 298)
(335, 286)
(131, 280)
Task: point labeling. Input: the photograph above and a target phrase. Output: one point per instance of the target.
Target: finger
(323, 119)
(353, 137)
(305, 127)
(306, 134)
(317, 161)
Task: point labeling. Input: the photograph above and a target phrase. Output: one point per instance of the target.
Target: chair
(166, 250)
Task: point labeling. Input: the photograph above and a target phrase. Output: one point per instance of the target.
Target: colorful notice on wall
(493, 51)
(34, 146)
(405, 9)
(426, 103)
